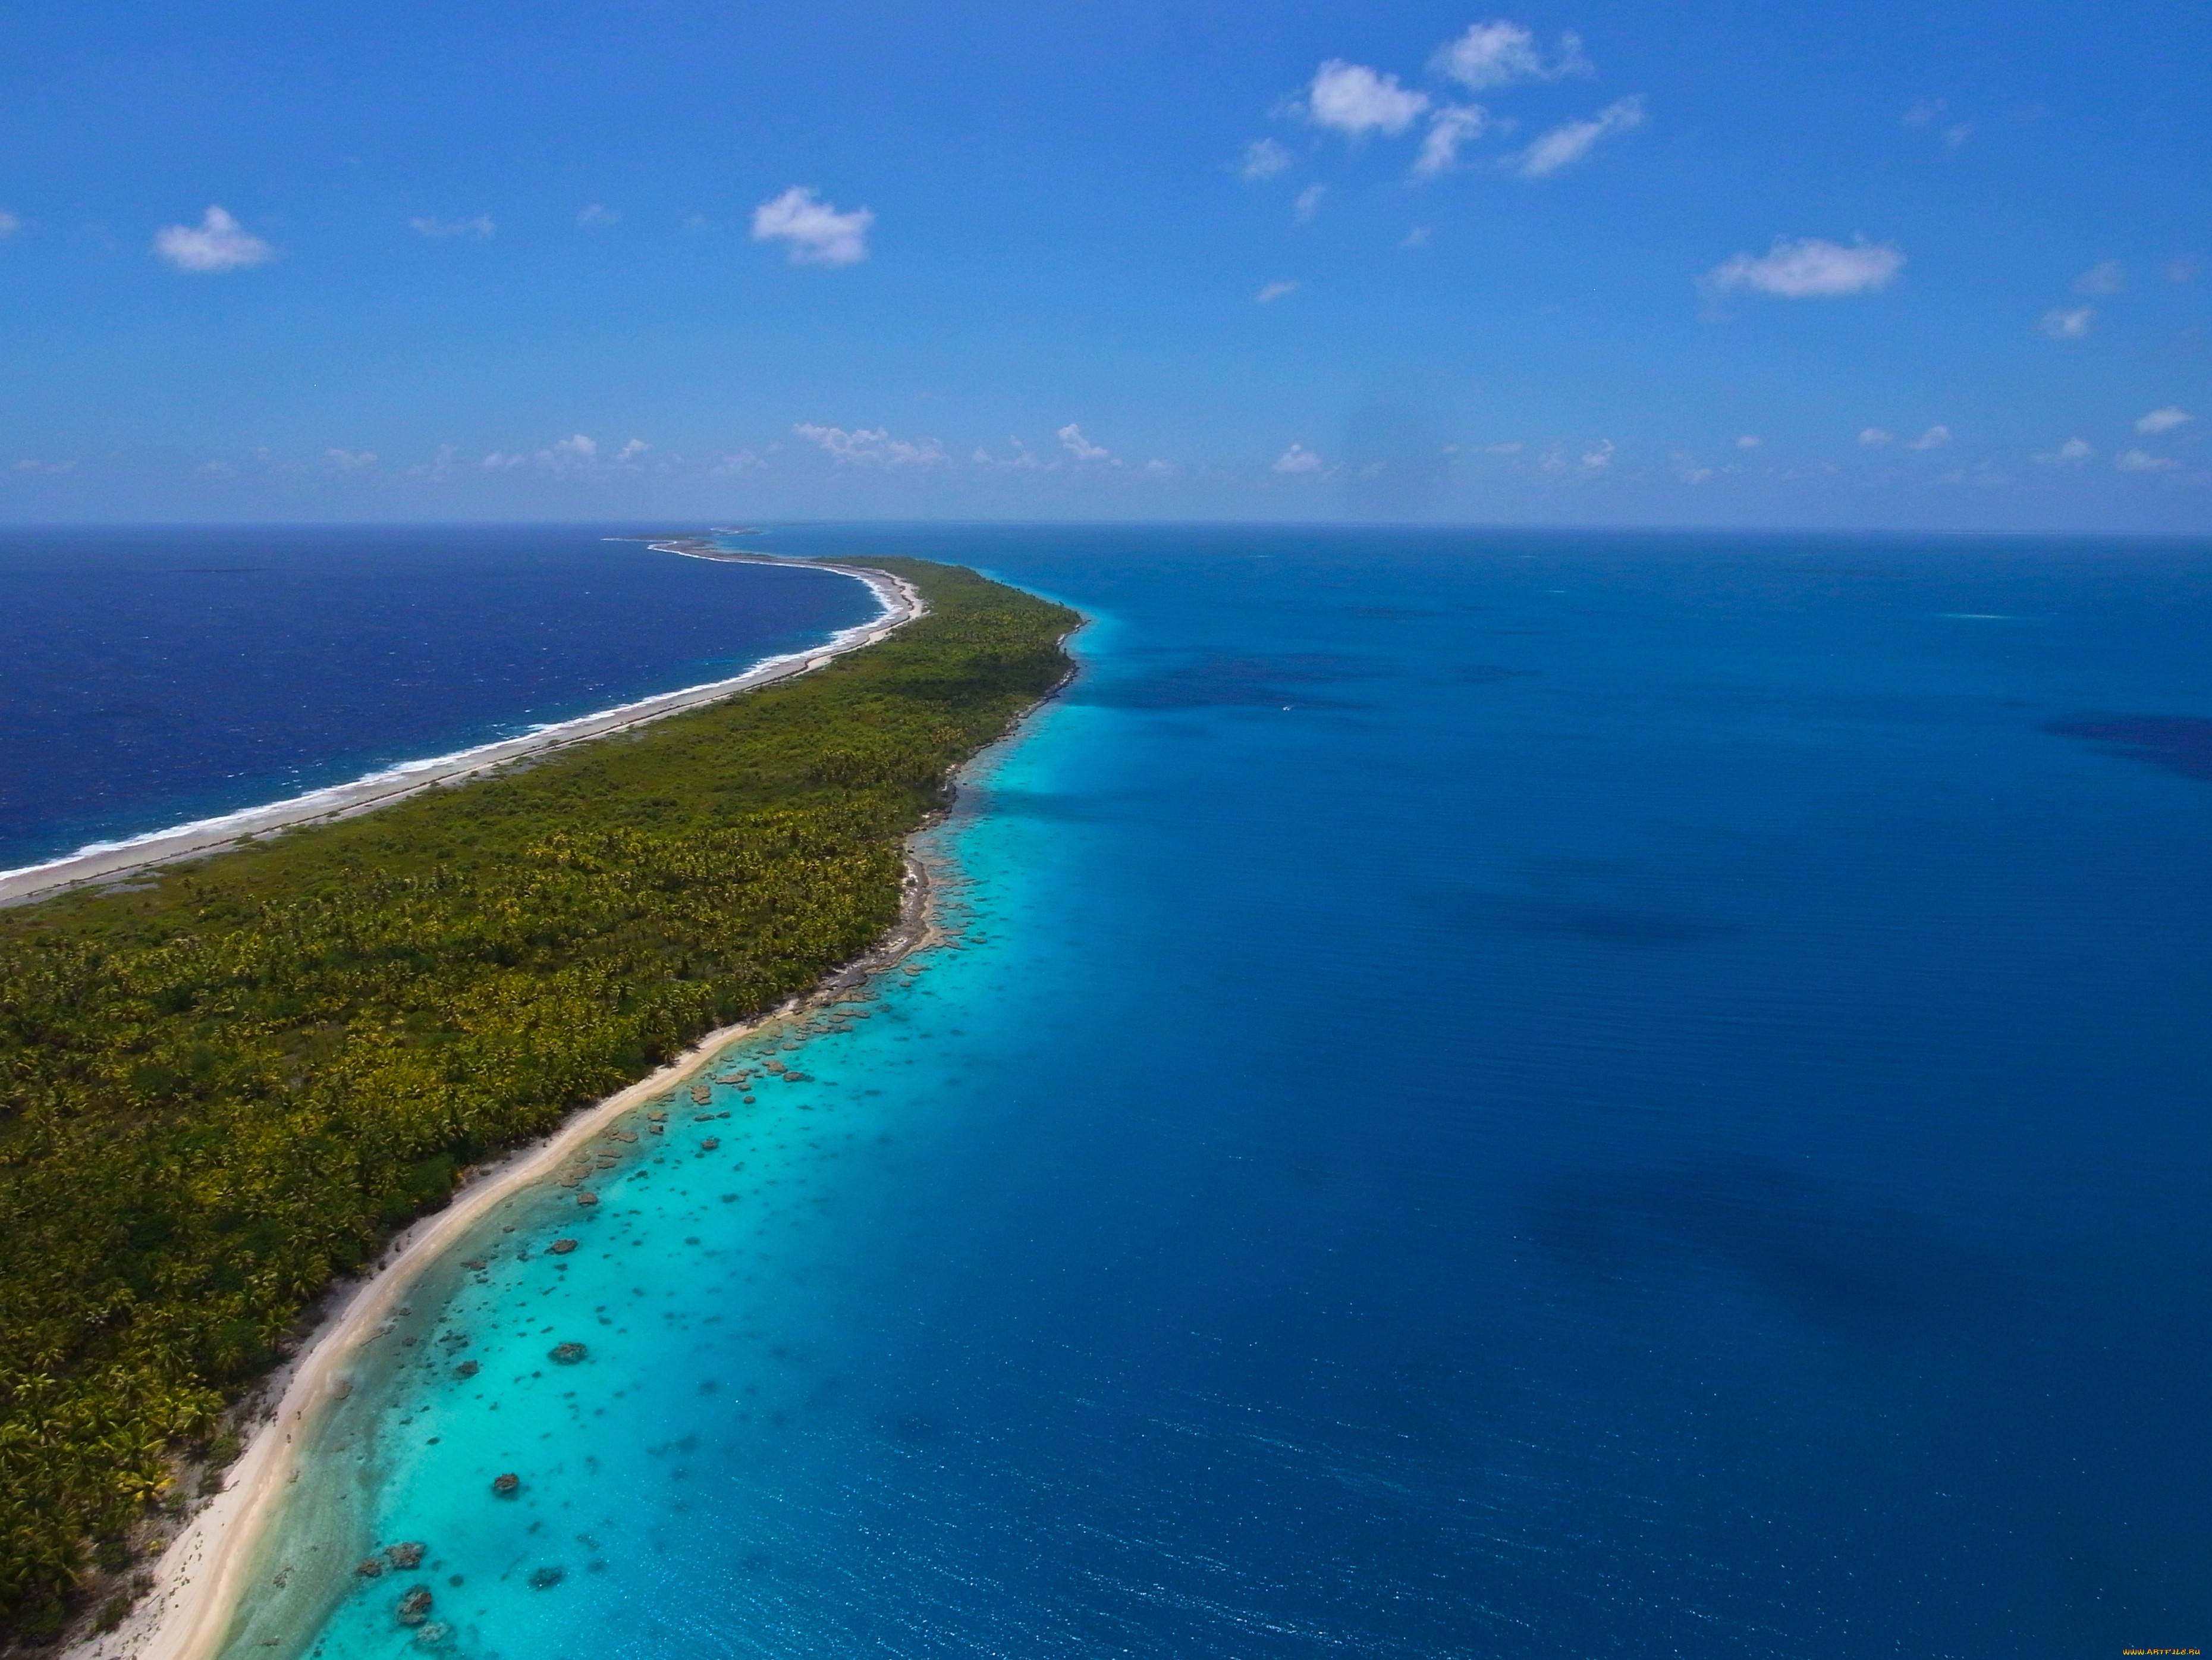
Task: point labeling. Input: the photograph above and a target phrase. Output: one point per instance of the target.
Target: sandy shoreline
(200, 1580)
(901, 603)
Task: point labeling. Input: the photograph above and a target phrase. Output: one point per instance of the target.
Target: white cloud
(1414, 238)
(596, 215)
(1448, 128)
(1297, 459)
(498, 461)
(32, 464)
(1263, 159)
(1354, 100)
(348, 460)
(817, 232)
(1492, 53)
(1072, 440)
(1309, 203)
(1564, 146)
(1808, 268)
(2143, 461)
(576, 454)
(1749, 441)
(1935, 438)
(1513, 447)
(2109, 277)
(1274, 291)
(482, 225)
(9, 224)
(1595, 458)
(631, 451)
(1924, 114)
(2074, 449)
(1874, 437)
(2182, 271)
(2061, 325)
(218, 242)
(2165, 420)
(1159, 469)
(873, 447)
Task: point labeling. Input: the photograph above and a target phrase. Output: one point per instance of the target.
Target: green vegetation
(219, 1092)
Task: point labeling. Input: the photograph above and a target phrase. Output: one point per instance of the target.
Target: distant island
(228, 1084)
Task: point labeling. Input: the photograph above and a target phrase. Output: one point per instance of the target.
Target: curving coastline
(201, 1585)
(200, 1580)
(113, 861)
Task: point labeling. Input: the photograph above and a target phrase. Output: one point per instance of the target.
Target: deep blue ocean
(151, 677)
(1517, 1094)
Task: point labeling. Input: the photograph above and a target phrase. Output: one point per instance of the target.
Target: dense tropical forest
(221, 1090)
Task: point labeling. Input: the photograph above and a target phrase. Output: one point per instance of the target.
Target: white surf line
(108, 861)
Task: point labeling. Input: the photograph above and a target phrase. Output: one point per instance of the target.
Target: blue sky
(1942, 265)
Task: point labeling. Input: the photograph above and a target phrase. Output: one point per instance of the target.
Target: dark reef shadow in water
(2179, 743)
(1822, 1249)
(1224, 681)
(1483, 674)
(1601, 920)
(989, 801)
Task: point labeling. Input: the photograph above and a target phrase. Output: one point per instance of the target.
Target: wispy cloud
(2183, 269)
(2144, 461)
(2165, 420)
(482, 225)
(1595, 458)
(1263, 159)
(2073, 450)
(596, 214)
(1308, 202)
(573, 454)
(1448, 128)
(627, 454)
(9, 224)
(1354, 100)
(2060, 323)
(1928, 113)
(1159, 469)
(1808, 268)
(218, 242)
(2108, 277)
(1877, 438)
(348, 460)
(1935, 438)
(1749, 441)
(817, 234)
(1297, 459)
(1273, 292)
(1072, 440)
(1562, 147)
(865, 446)
(1493, 53)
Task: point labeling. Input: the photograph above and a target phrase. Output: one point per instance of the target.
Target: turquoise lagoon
(1496, 1094)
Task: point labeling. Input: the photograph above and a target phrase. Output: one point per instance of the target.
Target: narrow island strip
(121, 861)
(235, 1086)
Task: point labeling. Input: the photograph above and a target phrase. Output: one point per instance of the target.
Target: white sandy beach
(116, 861)
(199, 1580)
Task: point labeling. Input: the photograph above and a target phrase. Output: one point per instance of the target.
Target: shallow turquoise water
(1499, 1094)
